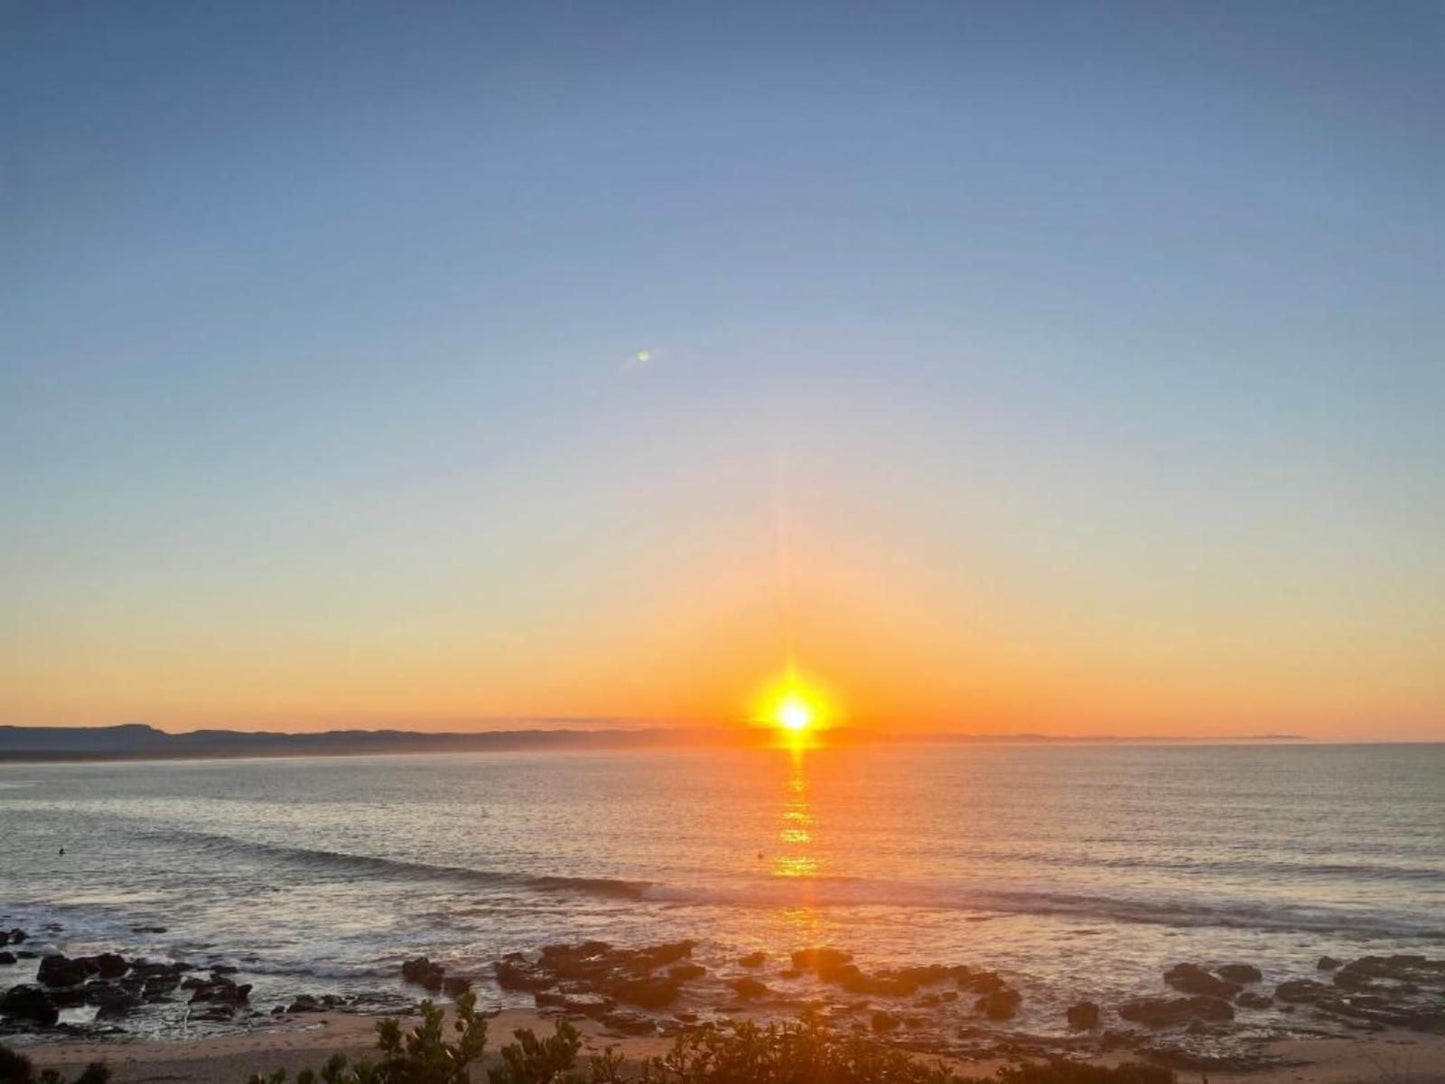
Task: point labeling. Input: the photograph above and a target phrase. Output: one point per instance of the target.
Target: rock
(646, 993)
(515, 972)
(1241, 974)
(67, 997)
(1328, 963)
(7, 958)
(157, 989)
(1250, 1000)
(594, 1005)
(223, 969)
(885, 1021)
(304, 1003)
(108, 965)
(753, 959)
(747, 988)
(1302, 990)
(219, 991)
(684, 972)
(147, 929)
(61, 971)
(1193, 979)
(661, 955)
(982, 982)
(1084, 1016)
(29, 1003)
(456, 985)
(820, 959)
(929, 974)
(113, 1000)
(18, 936)
(1160, 1012)
(1377, 972)
(1000, 1004)
(628, 1023)
(424, 973)
(145, 970)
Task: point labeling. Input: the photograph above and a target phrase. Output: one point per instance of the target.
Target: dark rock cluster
(593, 978)
(108, 981)
(432, 976)
(1377, 992)
(834, 966)
(1373, 991)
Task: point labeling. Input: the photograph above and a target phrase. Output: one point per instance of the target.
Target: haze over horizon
(1013, 368)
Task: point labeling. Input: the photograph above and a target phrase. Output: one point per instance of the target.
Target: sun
(795, 707)
(793, 713)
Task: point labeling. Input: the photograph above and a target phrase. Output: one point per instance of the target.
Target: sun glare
(794, 714)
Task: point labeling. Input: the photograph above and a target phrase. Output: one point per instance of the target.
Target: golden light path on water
(795, 859)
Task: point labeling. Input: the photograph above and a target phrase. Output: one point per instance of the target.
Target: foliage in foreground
(16, 1068)
(806, 1052)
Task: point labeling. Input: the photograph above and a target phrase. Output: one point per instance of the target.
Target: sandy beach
(1387, 1057)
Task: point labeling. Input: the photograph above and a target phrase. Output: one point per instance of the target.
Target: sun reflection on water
(795, 836)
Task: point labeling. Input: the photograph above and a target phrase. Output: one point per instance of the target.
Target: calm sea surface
(1076, 870)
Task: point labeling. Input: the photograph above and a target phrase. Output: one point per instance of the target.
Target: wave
(976, 900)
(995, 900)
(399, 868)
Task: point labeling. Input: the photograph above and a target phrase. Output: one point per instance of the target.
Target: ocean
(1074, 870)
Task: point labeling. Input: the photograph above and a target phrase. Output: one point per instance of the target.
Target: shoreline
(1378, 1011)
(1399, 1057)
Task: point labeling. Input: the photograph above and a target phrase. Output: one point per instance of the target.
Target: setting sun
(794, 714)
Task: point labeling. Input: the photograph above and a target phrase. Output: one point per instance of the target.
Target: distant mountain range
(137, 741)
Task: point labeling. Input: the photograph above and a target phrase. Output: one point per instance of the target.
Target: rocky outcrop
(1083, 1016)
(60, 970)
(753, 960)
(218, 990)
(29, 1003)
(593, 1005)
(649, 978)
(1160, 1012)
(1377, 991)
(423, 973)
(836, 967)
(1193, 979)
(628, 1023)
(747, 988)
(1000, 1004)
(647, 992)
(1298, 990)
(1328, 963)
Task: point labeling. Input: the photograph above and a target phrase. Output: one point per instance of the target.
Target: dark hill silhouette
(137, 741)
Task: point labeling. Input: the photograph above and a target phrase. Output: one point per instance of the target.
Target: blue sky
(1118, 325)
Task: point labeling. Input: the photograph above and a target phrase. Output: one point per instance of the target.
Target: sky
(1073, 368)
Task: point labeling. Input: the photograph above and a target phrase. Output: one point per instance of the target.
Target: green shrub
(420, 1056)
(16, 1068)
(804, 1052)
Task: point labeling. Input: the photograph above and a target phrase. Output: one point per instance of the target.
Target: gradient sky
(1063, 367)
